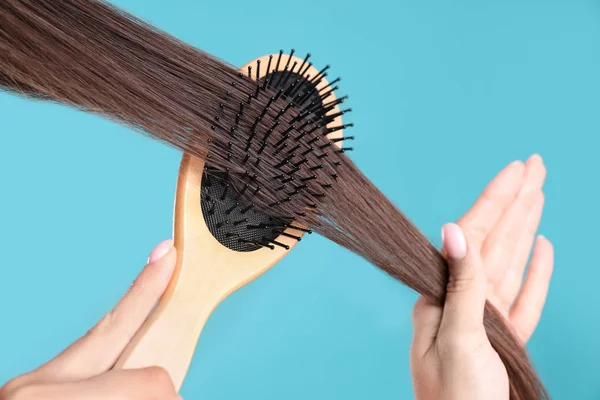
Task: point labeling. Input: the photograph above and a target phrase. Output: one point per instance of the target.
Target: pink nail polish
(160, 251)
(455, 243)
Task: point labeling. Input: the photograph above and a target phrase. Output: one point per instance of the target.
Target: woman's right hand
(84, 370)
(137, 384)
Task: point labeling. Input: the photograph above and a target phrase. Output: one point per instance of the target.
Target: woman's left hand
(502, 226)
(499, 231)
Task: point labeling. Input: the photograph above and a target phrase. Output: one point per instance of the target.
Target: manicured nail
(160, 251)
(536, 156)
(454, 241)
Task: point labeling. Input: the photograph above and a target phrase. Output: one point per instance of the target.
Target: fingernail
(454, 241)
(160, 251)
(536, 156)
(515, 163)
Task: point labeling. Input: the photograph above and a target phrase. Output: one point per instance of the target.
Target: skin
(451, 357)
(84, 370)
(487, 251)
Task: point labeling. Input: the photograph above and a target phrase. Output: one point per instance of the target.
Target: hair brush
(269, 143)
(223, 242)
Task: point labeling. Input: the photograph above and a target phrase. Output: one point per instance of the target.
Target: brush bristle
(275, 136)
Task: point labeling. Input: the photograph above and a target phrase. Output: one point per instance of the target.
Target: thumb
(98, 350)
(465, 294)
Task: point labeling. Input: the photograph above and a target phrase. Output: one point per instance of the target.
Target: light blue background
(444, 95)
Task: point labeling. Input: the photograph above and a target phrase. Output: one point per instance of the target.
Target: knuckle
(22, 393)
(534, 203)
(487, 199)
(161, 378)
(10, 385)
(474, 230)
(530, 230)
(420, 304)
(476, 233)
(7, 391)
(459, 284)
(17, 389)
(530, 199)
(541, 198)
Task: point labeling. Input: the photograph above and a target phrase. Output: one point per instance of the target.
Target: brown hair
(93, 56)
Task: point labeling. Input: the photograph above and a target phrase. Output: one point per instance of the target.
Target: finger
(537, 171)
(136, 384)
(479, 220)
(426, 317)
(99, 349)
(511, 282)
(465, 294)
(500, 245)
(528, 307)
(535, 174)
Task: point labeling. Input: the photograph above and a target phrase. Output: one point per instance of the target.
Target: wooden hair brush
(222, 243)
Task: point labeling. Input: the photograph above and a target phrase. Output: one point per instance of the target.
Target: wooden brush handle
(168, 338)
(206, 273)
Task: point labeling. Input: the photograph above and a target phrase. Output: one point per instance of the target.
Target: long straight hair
(96, 57)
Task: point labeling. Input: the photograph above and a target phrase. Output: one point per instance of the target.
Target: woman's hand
(502, 226)
(451, 357)
(84, 370)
